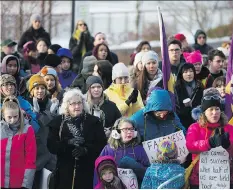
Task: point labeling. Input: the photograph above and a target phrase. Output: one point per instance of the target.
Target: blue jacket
(148, 126)
(159, 173)
(27, 107)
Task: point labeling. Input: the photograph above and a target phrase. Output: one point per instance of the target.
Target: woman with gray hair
(77, 139)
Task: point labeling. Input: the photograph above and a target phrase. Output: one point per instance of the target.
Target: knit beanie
(107, 164)
(55, 47)
(89, 64)
(35, 17)
(92, 80)
(138, 58)
(52, 60)
(180, 37)
(193, 57)
(29, 46)
(48, 71)
(167, 150)
(149, 56)
(119, 70)
(63, 52)
(6, 78)
(211, 97)
(34, 81)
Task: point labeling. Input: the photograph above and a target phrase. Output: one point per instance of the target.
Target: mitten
(225, 140)
(132, 97)
(215, 141)
(54, 106)
(78, 152)
(36, 107)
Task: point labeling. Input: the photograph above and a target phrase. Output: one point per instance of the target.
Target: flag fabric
(229, 85)
(168, 78)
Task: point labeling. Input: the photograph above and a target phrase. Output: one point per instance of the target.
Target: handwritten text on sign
(128, 177)
(214, 169)
(178, 137)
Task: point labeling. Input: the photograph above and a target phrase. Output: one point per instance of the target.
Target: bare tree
(138, 17)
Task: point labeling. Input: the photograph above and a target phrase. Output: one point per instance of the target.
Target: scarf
(75, 125)
(15, 127)
(157, 78)
(77, 35)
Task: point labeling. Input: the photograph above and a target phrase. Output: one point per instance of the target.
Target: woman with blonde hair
(18, 147)
(80, 42)
(210, 131)
(77, 139)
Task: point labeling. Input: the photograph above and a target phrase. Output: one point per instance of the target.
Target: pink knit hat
(193, 57)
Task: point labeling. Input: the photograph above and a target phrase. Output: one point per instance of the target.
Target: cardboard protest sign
(214, 169)
(178, 137)
(128, 177)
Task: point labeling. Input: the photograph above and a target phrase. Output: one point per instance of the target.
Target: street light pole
(73, 16)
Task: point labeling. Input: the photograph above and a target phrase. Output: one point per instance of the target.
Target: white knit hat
(119, 70)
(138, 58)
(148, 56)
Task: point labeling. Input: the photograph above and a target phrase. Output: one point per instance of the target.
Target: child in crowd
(107, 174)
(18, 147)
(66, 76)
(42, 48)
(165, 167)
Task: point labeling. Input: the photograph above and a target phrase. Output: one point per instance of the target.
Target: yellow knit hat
(34, 81)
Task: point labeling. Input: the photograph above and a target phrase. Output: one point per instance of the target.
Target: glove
(54, 106)
(36, 107)
(76, 141)
(79, 151)
(215, 140)
(133, 97)
(107, 132)
(225, 139)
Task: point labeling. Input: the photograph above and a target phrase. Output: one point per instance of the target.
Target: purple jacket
(66, 78)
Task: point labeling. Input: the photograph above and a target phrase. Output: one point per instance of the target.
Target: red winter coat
(197, 142)
(18, 157)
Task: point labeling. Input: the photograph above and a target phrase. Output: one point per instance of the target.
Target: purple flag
(229, 84)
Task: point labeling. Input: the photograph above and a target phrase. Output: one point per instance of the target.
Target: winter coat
(100, 184)
(150, 127)
(95, 140)
(197, 141)
(89, 53)
(66, 78)
(44, 158)
(161, 172)
(75, 47)
(80, 82)
(109, 110)
(205, 77)
(204, 49)
(181, 93)
(18, 157)
(33, 35)
(119, 94)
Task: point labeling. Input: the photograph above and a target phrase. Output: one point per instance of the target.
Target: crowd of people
(81, 113)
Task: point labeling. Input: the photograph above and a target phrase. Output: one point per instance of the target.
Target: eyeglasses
(76, 103)
(174, 50)
(127, 129)
(215, 97)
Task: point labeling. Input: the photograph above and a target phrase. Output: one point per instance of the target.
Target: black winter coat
(114, 59)
(75, 47)
(33, 35)
(95, 140)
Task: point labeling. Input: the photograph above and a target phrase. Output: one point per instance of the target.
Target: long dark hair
(142, 43)
(142, 83)
(96, 49)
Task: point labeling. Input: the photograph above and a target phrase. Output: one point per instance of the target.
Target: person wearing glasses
(200, 42)
(210, 131)
(80, 42)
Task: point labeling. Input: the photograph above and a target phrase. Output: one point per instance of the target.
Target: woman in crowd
(188, 93)
(103, 69)
(151, 75)
(157, 119)
(102, 52)
(210, 131)
(42, 46)
(99, 105)
(127, 99)
(18, 147)
(202, 72)
(220, 84)
(77, 139)
(80, 42)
